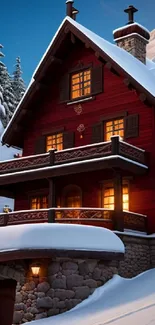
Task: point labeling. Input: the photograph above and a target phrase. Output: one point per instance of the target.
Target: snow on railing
(115, 147)
(93, 216)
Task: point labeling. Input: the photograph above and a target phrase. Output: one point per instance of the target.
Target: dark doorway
(7, 300)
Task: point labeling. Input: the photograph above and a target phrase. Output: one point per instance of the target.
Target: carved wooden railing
(23, 217)
(88, 216)
(135, 221)
(25, 163)
(96, 150)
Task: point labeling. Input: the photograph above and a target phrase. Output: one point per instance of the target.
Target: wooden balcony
(112, 149)
(86, 216)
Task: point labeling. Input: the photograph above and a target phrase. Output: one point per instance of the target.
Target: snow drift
(119, 302)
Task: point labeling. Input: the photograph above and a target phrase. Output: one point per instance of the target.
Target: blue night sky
(27, 26)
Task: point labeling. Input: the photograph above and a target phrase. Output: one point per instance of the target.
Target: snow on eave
(49, 47)
(132, 34)
(82, 162)
(132, 66)
(128, 25)
(59, 236)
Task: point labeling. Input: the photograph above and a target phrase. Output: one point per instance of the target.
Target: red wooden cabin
(86, 127)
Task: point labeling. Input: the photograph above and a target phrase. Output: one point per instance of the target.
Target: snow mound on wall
(119, 302)
(59, 236)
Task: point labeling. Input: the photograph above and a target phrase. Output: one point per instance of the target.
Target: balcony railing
(87, 216)
(88, 152)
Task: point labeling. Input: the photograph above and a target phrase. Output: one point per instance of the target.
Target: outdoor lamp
(35, 268)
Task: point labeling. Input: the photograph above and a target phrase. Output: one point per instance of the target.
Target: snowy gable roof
(128, 63)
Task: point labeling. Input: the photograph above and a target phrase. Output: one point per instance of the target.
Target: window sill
(81, 100)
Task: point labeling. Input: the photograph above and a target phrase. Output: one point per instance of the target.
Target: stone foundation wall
(137, 256)
(68, 282)
(64, 283)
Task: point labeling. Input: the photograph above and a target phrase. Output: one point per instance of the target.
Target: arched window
(72, 196)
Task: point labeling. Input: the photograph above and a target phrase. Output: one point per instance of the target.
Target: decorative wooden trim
(109, 66)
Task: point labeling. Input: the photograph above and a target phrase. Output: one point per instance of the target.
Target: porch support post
(118, 212)
(7, 300)
(51, 200)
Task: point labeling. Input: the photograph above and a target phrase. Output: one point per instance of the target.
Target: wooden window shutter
(40, 145)
(97, 80)
(132, 126)
(65, 88)
(68, 140)
(97, 133)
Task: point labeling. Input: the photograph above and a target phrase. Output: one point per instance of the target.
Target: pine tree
(9, 99)
(18, 83)
(2, 108)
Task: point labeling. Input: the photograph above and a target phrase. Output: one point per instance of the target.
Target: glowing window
(40, 202)
(108, 197)
(54, 141)
(81, 84)
(114, 127)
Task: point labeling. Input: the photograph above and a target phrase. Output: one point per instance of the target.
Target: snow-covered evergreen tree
(2, 108)
(9, 99)
(18, 83)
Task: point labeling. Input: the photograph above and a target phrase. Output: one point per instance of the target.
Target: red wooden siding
(115, 98)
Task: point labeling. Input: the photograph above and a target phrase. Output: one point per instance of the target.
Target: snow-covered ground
(59, 236)
(119, 302)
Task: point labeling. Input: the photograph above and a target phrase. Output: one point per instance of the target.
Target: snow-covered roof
(130, 25)
(132, 66)
(59, 236)
(120, 301)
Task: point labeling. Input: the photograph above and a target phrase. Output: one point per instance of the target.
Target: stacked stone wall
(64, 283)
(68, 282)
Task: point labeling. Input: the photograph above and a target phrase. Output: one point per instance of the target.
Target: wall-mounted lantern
(35, 268)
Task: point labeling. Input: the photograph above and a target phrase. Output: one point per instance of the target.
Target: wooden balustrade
(87, 216)
(88, 152)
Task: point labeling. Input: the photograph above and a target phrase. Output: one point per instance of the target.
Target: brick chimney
(70, 10)
(133, 37)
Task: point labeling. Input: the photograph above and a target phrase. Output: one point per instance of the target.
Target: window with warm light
(81, 84)
(114, 127)
(108, 197)
(54, 141)
(40, 202)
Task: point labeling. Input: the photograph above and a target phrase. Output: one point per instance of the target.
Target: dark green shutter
(65, 88)
(68, 140)
(132, 126)
(97, 80)
(97, 133)
(40, 145)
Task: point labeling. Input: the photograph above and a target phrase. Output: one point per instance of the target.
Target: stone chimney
(133, 37)
(70, 10)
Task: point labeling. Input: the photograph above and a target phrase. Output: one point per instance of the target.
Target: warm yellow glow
(125, 197)
(39, 202)
(54, 141)
(108, 199)
(81, 84)
(114, 127)
(35, 270)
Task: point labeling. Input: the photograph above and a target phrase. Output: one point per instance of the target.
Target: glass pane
(54, 141)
